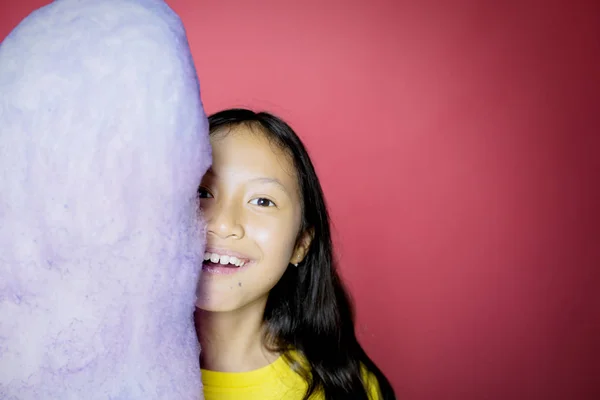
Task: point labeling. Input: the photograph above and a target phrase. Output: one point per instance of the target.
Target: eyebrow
(274, 181)
(259, 179)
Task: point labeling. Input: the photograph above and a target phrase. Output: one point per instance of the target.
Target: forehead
(246, 152)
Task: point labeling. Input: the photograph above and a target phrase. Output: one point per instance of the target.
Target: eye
(203, 193)
(262, 202)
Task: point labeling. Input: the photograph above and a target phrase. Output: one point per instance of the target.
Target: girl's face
(251, 203)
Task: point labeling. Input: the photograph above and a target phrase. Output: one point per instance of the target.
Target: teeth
(223, 260)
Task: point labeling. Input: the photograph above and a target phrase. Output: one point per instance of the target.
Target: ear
(302, 245)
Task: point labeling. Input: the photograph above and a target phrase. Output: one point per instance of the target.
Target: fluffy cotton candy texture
(103, 142)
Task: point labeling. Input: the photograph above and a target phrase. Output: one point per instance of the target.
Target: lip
(214, 269)
(224, 252)
(217, 270)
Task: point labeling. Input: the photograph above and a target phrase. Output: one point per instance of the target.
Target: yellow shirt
(274, 382)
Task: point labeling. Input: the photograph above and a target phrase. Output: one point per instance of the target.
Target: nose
(223, 221)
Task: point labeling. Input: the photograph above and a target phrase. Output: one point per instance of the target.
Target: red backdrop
(458, 147)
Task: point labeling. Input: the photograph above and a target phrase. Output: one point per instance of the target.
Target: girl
(273, 317)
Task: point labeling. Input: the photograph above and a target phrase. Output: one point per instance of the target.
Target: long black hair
(309, 310)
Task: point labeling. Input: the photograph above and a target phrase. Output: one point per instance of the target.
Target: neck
(232, 341)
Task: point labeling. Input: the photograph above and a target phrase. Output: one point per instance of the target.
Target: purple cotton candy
(103, 142)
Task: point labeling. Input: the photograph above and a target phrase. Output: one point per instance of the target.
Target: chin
(214, 308)
(224, 303)
(206, 302)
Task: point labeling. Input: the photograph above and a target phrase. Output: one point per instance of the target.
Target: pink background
(458, 147)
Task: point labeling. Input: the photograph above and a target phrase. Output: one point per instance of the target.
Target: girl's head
(254, 200)
(264, 207)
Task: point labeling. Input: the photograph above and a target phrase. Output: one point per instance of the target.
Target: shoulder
(371, 384)
(369, 379)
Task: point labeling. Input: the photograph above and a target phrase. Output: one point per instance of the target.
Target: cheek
(276, 237)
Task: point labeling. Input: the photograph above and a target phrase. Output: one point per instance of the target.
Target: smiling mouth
(218, 260)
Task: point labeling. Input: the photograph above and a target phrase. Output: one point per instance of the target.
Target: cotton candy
(103, 142)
